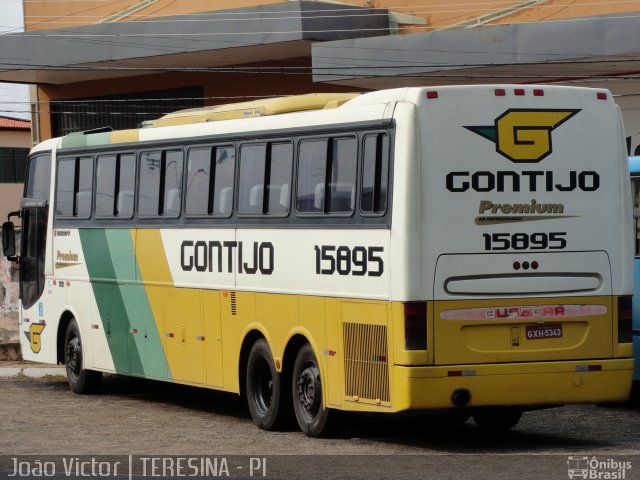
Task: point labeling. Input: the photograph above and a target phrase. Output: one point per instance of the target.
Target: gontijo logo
(524, 135)
(33, 335)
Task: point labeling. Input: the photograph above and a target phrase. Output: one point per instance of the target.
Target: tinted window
(149, 194)
(85, 187)
(160, 183)
(39, 180)
(115, 180)
(105, 185)
(199, 177)
(224, 179)
(279, 181)
(253, 160)
(312, 168)
(327, 176)
(126, 185)
(375, 174)
(74, 187)
(210, 181)
(265, 179)
(65, 191)
(344, 164)
(172, 169)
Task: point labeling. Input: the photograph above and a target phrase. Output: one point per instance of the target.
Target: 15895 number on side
(358, 261)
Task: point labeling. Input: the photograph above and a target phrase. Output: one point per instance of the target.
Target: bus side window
(375, 174)
(65, 187)
(210, 175)
(342, 187)
(105, 185)
(225, 163)
(327, 175)
(74, 187)
(265, 177)
(312, 166)
(160, 190)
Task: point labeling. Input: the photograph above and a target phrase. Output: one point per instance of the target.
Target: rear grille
(366, 361)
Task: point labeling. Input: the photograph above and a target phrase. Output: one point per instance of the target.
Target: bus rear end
(526, 249)
(634, 169)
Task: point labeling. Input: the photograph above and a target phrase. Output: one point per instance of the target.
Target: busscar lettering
(212, 255)
(527, 181)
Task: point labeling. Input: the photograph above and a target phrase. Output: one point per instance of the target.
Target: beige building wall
(15, 138)
(44, 14)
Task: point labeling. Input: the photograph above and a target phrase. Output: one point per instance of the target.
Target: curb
(11, 365)
(31, 372)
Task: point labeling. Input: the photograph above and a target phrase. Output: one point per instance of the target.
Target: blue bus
(634, 168)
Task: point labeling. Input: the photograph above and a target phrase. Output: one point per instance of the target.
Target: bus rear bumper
(520, 384)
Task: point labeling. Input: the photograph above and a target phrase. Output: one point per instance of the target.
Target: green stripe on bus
(73, 140)
(145, 338)
(113, 314)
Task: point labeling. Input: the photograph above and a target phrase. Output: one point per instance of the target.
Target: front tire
(264, 388)
(313, 418)
(80, 380)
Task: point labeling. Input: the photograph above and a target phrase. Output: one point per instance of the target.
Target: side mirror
(8, 239)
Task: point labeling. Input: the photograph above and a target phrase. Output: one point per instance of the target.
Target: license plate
(544, 330)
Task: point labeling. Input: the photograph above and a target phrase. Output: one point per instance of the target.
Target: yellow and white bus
(461, 248)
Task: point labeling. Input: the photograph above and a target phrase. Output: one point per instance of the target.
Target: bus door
(33, 246)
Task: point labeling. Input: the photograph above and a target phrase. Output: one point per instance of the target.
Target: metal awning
(538, 52)
(215, 39)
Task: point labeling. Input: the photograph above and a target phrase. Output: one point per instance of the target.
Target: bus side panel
(636, 320)
(112, 319)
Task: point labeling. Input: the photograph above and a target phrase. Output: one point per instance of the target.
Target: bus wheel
(497, 420)
(311, 415)
(80, 380)
(263, 387)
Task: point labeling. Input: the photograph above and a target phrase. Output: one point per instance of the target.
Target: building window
(13, 164)
(120, 112)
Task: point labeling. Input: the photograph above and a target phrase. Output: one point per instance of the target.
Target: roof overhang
(208, 40)
(540, 52)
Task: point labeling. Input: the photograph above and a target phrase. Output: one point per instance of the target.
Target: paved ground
(134, 417)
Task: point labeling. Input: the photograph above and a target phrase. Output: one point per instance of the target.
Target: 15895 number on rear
(525, 241)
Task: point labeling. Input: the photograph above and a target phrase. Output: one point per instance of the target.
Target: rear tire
(264, 388)
(80, 380)
(497, 420)
(313, 418)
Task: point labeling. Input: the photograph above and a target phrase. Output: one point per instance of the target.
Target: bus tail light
(415, 326)
(624, 320)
